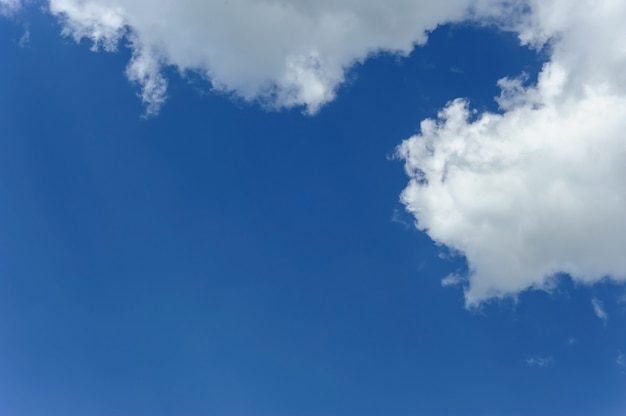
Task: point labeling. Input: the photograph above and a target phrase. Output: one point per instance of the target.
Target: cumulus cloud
(526, 193)
(281, 53)
(536, 189)
(598, 309)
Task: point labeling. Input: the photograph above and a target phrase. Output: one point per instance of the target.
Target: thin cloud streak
(598, 309)
(539, 361)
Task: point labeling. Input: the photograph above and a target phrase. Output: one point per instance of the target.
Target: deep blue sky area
(222, 259)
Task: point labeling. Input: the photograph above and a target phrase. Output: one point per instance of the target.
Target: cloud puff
(282, 53)
(538, 188)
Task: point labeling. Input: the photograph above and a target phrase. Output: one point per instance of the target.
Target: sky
(331, 208)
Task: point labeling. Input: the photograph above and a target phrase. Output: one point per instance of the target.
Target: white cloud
(598, 309)
(621, 360)
(537, 189)
(25, 38)
(524, 194)
(539, 361)
(452, 280)
(398, 217)
(282, 53)
(8, 7)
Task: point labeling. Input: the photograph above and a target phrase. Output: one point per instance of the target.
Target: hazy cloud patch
(8, 7)
(452, 280)
(539, 361)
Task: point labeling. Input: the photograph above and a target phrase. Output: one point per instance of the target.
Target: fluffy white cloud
(526, 193)
(283, 53)
(538, 188)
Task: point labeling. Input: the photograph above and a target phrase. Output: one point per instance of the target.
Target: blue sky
(229, 251)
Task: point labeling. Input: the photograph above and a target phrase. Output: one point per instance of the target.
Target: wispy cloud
(598, 309)
(452, 280)
(402, 218)
(539, 361)
(8, 7)
(25, 38)
(621, 360)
